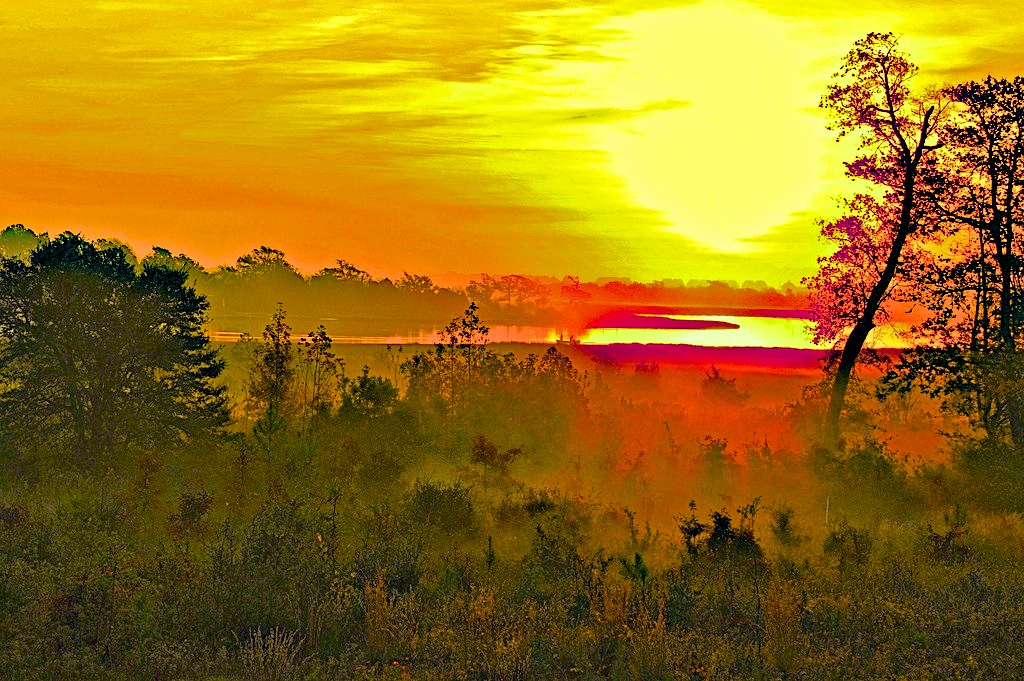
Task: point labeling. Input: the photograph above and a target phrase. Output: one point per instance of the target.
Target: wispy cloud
(555, 135)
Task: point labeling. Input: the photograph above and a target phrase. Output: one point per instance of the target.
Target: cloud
(501, 133)
(610, 114)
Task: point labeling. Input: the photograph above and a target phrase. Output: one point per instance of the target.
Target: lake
(776, 330)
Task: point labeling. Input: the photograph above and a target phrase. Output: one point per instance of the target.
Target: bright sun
(743, 154)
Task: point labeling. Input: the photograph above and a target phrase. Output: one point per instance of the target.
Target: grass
(382, 551)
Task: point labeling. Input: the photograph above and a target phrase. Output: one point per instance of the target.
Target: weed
(273, 657)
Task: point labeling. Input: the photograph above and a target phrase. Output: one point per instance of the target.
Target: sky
(624, 138)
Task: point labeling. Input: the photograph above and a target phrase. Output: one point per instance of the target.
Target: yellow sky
(624, 138)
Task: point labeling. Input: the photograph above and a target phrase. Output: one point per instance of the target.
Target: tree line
(101, 356)
(244, 295)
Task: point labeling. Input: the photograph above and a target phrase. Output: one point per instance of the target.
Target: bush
(449, 507)
(945, 546)
(715, 386)
(192, 508)
(391, 549)
(850, 545)
(783, 526)
(721, 537)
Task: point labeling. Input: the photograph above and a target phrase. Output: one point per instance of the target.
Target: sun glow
(554, 137)
(744, 153)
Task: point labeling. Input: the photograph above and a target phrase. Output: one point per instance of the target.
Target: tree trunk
(1005, 259)
(855, 341)
(854, 344)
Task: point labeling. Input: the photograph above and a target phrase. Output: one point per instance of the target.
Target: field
(635, 521)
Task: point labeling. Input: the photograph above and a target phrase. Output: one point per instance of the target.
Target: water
(752, 332)
(498, 334)
(743, 332)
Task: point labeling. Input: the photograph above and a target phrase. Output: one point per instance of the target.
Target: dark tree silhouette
(871, 97)
(984, 188)
(97, 358)
(344, 271)
(973, 293)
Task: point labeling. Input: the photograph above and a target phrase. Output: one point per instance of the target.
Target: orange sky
(627, 138)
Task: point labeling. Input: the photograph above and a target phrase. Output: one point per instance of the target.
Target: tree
(984, 185)
(419, 284)
(368, 396)
(484, 290)
(264, 261)
(518, 290)
(973, 293)
(572, 291)
(871, 97)
(487, 454)
(271, 383)
(346, 272)
(453, 370)
(97, 358)
(164, 258)
(17, 241)
(321, 374)
(461, 352)
(129, 254)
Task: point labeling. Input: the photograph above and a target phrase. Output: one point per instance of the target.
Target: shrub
(850, 545)
(281, 564)
(192, 508)
(721, 537)
(391, 622)
(783, 527)
(538, 502)
(715, 386)
(488, 455)
(449, 507)
(390, 549)
(368, 396)
(650, 653)
(171, 660)
(945, 546)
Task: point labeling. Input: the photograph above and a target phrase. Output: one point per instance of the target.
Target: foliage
(849, 545)
(17, 241)
(162, 257)
(344, 271)
(447, 506)
(720, 536)
(419, 284)
(97, 358)
(462, 379)
(947, 545)
(368, 396)
(717, 387)
(192, 507)
(784, 527)
(511, 290)
(972, 291)
(315, 573)
(487, 454)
